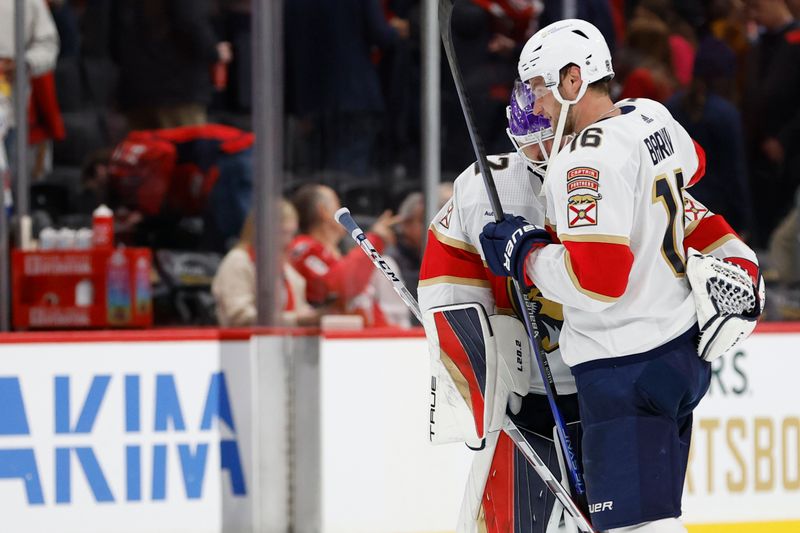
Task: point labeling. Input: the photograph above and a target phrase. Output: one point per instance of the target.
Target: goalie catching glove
(728, 299)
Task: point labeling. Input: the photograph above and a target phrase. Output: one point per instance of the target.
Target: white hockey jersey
(616, 197)
(453, 268)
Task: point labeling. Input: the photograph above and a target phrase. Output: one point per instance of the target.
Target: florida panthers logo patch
(582, 210)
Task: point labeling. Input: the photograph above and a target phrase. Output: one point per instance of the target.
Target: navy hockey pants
(636, 413)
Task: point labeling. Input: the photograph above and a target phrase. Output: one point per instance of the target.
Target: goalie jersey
(453, 269)
(616, 198)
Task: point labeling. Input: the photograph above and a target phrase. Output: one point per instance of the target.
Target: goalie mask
(525, 129)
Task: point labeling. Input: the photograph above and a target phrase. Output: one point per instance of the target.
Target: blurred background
(169, 170)
(140, 158)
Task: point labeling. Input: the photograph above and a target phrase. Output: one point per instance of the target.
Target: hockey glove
(728, 301)
(508, 243)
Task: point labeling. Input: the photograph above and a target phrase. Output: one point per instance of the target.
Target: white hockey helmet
(570, 41)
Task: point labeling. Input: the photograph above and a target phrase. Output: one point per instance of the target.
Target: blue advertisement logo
(20, 463)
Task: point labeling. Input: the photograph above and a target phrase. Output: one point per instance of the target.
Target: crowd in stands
(144, 105)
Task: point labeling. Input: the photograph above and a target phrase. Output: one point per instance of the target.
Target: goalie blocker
(479, 364)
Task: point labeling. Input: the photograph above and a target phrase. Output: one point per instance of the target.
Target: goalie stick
(576, 476)
(344, 218)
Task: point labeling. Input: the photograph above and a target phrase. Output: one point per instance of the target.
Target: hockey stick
(344, 218)
(445, 13)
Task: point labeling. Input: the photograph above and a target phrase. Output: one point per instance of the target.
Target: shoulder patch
(583, 178)
(582, 210)
(583, 172)
(694, 210)
(445, 220)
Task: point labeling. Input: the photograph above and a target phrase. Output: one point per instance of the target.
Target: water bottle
(84, 293)
(118, 285)
(103, 228)
(143, 293)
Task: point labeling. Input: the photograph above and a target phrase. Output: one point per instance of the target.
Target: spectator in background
(66, 22)
(716, 125)
(784, 247)
(45, 123)
(598, 12)
(95, 178)
(333, 90)
(41, 48)
(398, 147)
(341, 282)
(681, 36)
(234, 285)
(772, 113)
(728, 23)
(160, 182)
(410, 230)
(165, 50)
(485, 35)
(235, 23)
(651, 75)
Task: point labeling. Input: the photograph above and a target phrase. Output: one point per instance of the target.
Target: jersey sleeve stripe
(443, 260)
(718, 244)
(688, 230)
(596, 237)
(599, 270)
(454, 280)
(709, 234)
(450, 241)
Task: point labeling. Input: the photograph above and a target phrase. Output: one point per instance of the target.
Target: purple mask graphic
(525, 128)
(521, 120)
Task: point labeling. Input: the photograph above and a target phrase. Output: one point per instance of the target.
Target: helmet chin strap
(562, 121)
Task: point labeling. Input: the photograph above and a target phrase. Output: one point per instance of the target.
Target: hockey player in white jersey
(504, 494)
(625, 226)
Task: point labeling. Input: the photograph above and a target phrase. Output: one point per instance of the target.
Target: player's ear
(571, 82)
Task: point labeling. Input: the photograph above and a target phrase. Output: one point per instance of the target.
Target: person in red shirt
(652, 76)
(343, 283)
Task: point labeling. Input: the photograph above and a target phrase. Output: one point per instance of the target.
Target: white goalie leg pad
(728, 303)
(477, 363)
(505, 494)
(470, 516)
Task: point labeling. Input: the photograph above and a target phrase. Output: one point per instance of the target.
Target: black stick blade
(445, 14)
